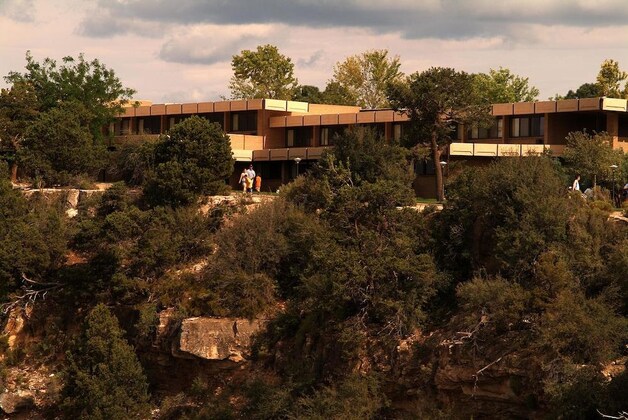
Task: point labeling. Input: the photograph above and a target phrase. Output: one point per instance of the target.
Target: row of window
(241, 122)
(246, 122)
(519, 127)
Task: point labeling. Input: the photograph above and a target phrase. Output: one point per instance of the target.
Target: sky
(181, 50)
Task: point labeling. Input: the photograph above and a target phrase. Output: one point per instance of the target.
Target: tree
(32, 239)
(18, 108)
(371, 158)
(608, 83)
(58, 146)
(104, 377)
(308, 93)
(500, 218)
(89, 83)
(586, 90)
(336, 94)
(609, 79)
(87, 89)
(590, 155)
(437, 100)
(193, 159)
(264, 73)
(366, 75)
(501, 86)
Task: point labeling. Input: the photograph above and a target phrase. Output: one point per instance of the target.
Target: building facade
(281, 137)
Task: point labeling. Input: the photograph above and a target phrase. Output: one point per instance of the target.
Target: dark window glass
(299, 137)
(623, 126)
(152, 125)
(244, 122)
(527, 126)
(492, 132)
(329, 133)
(215, 117)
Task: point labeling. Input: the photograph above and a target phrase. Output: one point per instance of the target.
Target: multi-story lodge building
(281, 137)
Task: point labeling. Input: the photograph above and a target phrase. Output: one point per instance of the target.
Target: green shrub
(355, 397)
(602, 205)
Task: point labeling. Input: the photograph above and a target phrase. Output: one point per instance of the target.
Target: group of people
(249, 180)
(620, 198)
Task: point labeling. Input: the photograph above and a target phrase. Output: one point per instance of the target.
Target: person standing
(249, 184)
(250, 172)
(576, 184)
(242, 180)
(258, 183)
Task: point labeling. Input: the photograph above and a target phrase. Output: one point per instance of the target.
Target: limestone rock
(72, 198)
(12, 402)
(217, 338)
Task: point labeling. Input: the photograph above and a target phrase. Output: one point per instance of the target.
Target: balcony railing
(305, 153)
(503, 149)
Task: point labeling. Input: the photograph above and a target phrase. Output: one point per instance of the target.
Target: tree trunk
(14, 172)
(438, 169)
(594, 181)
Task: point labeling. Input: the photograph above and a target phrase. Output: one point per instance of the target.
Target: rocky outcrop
(217, 338)
(14, 326)
(73, 196)
(13, 402)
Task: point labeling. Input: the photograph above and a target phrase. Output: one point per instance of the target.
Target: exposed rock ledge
(217, 338)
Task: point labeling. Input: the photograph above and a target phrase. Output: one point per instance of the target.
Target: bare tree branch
(32, 290)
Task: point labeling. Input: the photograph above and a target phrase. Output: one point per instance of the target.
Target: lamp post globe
(297, 160)
(442, 167)
(614, 197)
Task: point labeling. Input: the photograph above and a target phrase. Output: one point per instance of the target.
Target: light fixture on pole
(613, 169)
(442, 172)
(297, 160)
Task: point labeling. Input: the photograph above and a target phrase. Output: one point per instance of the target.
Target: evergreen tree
(193, 159)
(104, 377)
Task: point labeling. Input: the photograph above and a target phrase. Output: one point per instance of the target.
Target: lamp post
(297, 160)
(442, 167)
(613, 169)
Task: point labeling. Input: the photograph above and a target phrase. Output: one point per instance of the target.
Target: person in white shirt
(576, 184)
(250, 172)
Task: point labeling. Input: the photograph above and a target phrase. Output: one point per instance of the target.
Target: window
(151, 125)
(379, 129)
(399, 131)
(495, 131)
(623, 127)
(244, 122)
(527, 126)
(215, 117)
(328, 134)
(424, 167)
(125, 125)
(299, 137)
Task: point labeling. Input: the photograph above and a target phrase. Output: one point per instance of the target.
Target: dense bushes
(534, 276)
(33, 237)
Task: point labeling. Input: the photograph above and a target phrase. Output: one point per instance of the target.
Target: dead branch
(32, 290)
(479, 372)
(623, 415)
(462, 337)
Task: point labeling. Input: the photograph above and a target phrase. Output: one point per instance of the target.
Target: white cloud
(209, 44)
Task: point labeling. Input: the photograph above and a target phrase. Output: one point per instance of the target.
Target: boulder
(13, 402)
(217, 338)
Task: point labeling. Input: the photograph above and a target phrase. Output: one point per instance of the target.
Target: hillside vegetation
(367, 302)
